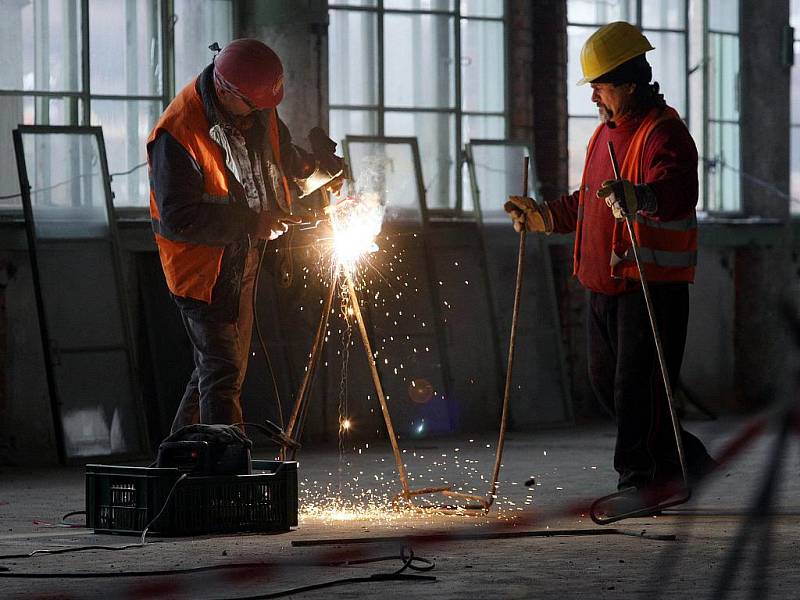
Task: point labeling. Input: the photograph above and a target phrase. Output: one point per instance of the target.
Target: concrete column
(298, 31)
(763, 274)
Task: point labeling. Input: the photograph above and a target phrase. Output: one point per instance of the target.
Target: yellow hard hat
(609, 47)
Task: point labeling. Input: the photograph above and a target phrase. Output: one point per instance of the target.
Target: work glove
(328, 170)
(528, 214)
(626, 199)
(272, 225)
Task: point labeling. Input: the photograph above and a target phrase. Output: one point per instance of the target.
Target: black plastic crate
(126, 499)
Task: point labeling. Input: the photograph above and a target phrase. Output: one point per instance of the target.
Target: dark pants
(221, 351)
(626, 377)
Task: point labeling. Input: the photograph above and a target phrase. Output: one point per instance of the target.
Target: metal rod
(376, 380)
(676, 426)
(500, 535)
(511, 344)
(313, 360)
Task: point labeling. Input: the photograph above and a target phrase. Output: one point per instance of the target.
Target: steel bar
(500, 535)
(313, 360)
(376, 380)
(498, 458)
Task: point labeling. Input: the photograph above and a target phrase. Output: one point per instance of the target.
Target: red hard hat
(254, 70)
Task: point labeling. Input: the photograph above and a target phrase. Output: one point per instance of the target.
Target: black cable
(142, 541)
(72, 514)
(261, 338)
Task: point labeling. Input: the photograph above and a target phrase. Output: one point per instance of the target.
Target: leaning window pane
(483, 127)
(436, 135)
(126, 125)
(419, 54)
(125, 47)
(42, 45)
(199, 23)
(353, 52)
(482, 57)
(669, 67)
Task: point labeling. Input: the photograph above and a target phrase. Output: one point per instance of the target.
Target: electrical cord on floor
(141, 543)
(261, 341)
(407, 556)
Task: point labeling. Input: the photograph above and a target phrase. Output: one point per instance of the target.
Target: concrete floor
(570, 467)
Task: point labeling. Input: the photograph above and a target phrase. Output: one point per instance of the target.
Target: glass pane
(125, 47)
(579, 97)
(68, 198)
(353, 51)
(43, 49)
(580, 130)
(482, 56)
(723, 15)
(352, 3)
(663, 14)
(436, 135)
(723, 173)
(126, 125)
(723, 65)
(795, 97)
(600, 13)
(498, 174)
(481, 8)
(198, 24)
(669, 67)
(480, 127)
(794, 15)
(795, 177)
(352, 122)
(389, 170)
(419, 4)
(418, 61)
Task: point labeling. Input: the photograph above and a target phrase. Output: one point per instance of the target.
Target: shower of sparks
(356, 222)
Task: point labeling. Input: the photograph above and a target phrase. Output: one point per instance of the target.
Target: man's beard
(606, 114)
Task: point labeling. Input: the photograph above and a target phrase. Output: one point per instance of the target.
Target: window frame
(380, 109)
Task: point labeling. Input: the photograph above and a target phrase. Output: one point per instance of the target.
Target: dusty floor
(570, 467)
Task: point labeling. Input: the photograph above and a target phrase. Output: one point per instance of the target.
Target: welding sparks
(356, 222)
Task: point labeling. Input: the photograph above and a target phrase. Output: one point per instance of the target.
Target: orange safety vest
(667, 249)
(192, 269)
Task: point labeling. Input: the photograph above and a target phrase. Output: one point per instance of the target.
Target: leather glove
(272, 225)
(625, 199)
(620, 197)
(529, 214)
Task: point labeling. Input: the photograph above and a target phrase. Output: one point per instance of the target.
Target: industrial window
(434, 69)
(101, 62)
(794, 20)
(696, 61)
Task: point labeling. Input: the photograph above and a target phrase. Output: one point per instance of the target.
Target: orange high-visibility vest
(667, 249)
(192, 269)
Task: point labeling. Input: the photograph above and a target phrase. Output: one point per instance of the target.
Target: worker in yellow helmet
(658, 188)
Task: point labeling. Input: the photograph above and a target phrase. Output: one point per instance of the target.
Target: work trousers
(626, 378)
(221, 350)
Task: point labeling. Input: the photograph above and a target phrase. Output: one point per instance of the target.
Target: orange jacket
(191, 269)
(667, 249)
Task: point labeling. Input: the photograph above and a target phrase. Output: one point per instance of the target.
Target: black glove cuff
(646, 198)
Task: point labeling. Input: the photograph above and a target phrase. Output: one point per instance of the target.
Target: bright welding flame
(346, 424)
(356, 222)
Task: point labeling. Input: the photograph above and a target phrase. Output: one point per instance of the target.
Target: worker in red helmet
(657, 189)
(223, 175)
